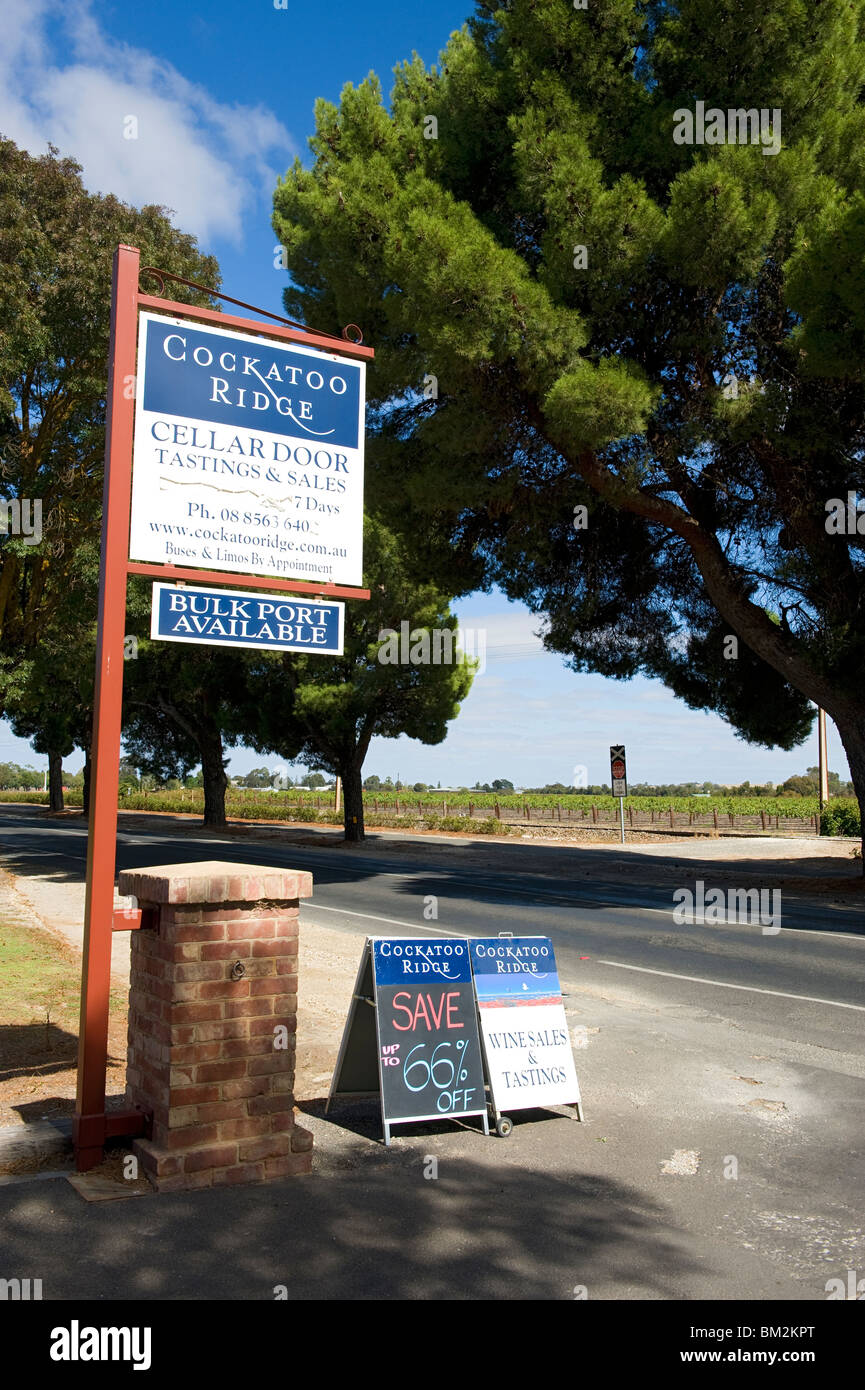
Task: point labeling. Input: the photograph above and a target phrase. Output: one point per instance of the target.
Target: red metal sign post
(91, 1124)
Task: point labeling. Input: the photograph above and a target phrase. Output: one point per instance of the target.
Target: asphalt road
(808, 980)
(723, 1079)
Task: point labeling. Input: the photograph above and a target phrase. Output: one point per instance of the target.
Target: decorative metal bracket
(163, 275)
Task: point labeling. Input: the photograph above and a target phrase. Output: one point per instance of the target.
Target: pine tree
(621, 374)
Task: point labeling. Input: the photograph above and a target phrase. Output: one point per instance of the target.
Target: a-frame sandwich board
(357, 1072)
(413, 1012)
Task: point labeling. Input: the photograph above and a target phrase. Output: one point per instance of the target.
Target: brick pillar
(212, 1056)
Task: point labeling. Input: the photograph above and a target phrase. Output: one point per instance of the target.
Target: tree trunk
(852, 735)
(55, 781)
(213, 775)
(85, 789)
(352, 802)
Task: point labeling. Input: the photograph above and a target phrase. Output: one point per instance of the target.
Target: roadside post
(201, 404)
(213, 1023)
(619, 780)
(822, 759)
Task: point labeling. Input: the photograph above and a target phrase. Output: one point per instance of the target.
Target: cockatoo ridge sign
(240, 451)
(248, 454)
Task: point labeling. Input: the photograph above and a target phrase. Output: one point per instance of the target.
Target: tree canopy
(619, 374)
(57, 243)
(182, 705)
(325, 710)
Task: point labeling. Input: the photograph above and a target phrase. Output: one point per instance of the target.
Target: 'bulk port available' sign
(248, 454)
(236, 618)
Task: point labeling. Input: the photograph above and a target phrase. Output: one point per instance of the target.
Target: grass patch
(41, 978)
(466, 825)
(39, 1008)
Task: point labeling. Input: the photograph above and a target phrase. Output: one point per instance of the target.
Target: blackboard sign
(427, 1047)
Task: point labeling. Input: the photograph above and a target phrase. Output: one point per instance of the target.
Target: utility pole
(823, 761)
(336, 792)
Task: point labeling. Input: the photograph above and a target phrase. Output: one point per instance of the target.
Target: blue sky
(223, 97)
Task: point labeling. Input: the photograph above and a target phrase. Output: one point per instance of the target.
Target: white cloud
(64, 82)
(510, 635)
(530, 718)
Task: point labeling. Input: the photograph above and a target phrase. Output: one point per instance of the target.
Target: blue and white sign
(248, 454)
(235, 618)
(524, 1030)
(400, 959)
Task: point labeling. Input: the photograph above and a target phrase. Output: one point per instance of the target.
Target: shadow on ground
(476, 1232)
(35, 1049)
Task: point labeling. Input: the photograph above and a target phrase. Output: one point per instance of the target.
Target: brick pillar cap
(214, 881)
